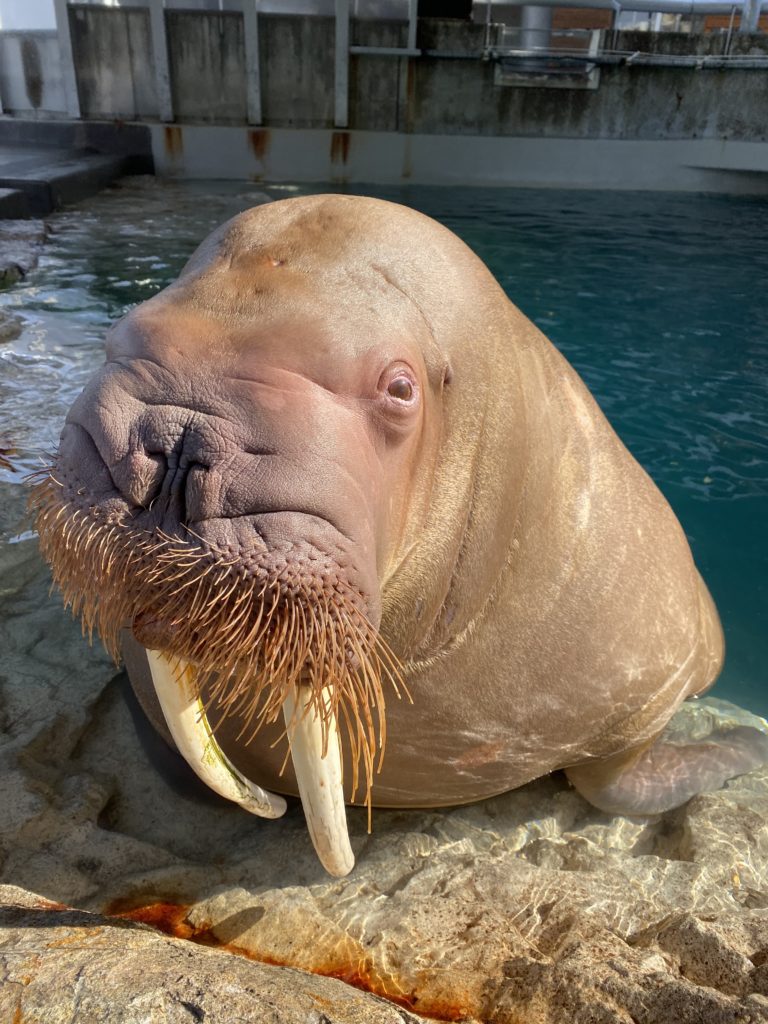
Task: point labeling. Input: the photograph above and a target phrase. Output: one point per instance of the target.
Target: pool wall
(346, 157)
(259, 98)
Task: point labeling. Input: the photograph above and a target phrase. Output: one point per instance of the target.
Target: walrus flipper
(667, 774)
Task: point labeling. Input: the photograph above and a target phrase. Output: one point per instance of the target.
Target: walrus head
(231, 486)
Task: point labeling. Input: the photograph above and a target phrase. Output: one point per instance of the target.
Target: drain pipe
(535, 30)
(750, 17)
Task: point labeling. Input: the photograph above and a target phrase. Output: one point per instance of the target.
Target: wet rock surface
(20, 244)
(529, 907)
(62, 965)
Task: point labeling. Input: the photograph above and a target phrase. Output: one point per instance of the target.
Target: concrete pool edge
(46, 164)
(353, 157)
(274, 155)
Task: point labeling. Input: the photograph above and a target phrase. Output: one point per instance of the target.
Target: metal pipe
(384, 51)
(413, 19)
(535, 27)
(534, 34)
(659, 60)
(750, 17)
(729, 36)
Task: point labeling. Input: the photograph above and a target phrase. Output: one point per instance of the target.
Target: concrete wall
(347, 157)
(113, 57)
(296, 56)
(206, 51)
(657, 127)
(430, 95)
(631, 102)
(30, 74)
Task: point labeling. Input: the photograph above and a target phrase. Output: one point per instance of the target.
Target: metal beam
(413, 20)
(61, 12)
(384, 51)
(250, 10)
(341, 76)
(160, 57)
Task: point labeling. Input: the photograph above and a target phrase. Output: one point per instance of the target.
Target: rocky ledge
(531, 907)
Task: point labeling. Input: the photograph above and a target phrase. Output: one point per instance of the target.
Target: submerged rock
(20, 244)
(11, 326)
(532, 906)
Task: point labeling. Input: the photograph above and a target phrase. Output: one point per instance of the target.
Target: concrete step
(47, 179)
(13, 203)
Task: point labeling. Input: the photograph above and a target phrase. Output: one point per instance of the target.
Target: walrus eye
(399, 383)
(400, 388)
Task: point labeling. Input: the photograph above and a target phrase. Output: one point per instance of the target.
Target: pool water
(658, 300)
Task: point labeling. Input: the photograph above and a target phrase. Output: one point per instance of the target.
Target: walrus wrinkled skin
(343, 375)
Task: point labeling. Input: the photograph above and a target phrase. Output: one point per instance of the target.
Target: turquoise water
(658, 300)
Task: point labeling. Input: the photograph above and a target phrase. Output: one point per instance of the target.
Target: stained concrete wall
(347, 157)
(206, 52)
(30, 73)
(448, 90)
(632, 102)
(112, 49)
(296, 56)
(377, 85)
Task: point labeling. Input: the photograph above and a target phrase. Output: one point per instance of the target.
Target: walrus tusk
(188, 724)
(319, 779)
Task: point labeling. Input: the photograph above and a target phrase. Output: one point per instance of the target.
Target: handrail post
(341, 74)
(67, 58)
(487, 36)
(160, 55)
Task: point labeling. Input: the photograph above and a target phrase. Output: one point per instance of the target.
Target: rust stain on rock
(174, 141)
(171, 919)
(259, 140)
(168, 918)
(340, 147)
(43, 904)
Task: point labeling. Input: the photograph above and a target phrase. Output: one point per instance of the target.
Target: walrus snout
(253, 493)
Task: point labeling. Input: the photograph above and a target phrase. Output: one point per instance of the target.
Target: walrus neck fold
(474, 503)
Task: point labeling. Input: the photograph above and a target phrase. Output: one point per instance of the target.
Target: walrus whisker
(270, 640)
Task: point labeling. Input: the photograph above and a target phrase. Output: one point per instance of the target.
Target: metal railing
(748, 10)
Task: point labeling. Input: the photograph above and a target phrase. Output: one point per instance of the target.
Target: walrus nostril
(156, 470)
(140, 475)
(166, 471)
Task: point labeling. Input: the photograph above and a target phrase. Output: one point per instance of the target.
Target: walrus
(361, 533)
